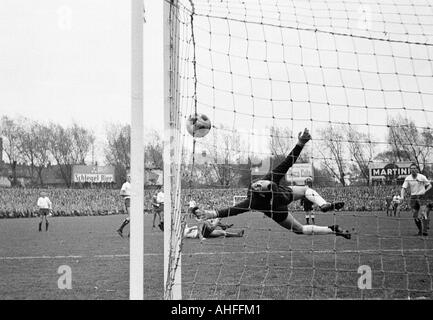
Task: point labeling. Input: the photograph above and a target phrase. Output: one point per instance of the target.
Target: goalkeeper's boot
(120, 232)
(161, 226)
(332, 206)
(340, 232)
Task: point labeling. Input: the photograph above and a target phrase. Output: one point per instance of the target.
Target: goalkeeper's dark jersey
(274, 198)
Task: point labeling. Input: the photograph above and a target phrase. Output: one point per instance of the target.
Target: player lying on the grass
(271, 198)
(212, 228)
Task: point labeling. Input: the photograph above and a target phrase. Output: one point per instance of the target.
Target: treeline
(340, 152)
(39, 146)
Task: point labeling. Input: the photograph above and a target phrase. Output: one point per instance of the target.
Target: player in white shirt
(418, 185)
(125, 192)
(45, 206)
(192, 205)
(160, 209)
(396, 200)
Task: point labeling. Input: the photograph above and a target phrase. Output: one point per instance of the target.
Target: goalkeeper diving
(268, 196)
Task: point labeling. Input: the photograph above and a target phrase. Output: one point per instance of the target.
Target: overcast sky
(69, 60)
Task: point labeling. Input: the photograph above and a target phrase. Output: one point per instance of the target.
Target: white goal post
(136, 244)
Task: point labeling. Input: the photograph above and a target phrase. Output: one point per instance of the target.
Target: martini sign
(389, 171)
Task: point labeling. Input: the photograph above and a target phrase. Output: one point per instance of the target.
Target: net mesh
(358, 75)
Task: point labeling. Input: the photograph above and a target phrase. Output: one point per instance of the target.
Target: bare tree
(224, 151)
(118, 148)
(69, 146)
(410, 143)
(333, 151)
(153, 150)
(281, 142)
(26, 144)
(11, 132)
(42, 150)
(361, 150)
(82, 142)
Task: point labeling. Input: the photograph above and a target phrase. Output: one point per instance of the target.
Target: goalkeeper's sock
(314, 197)
(46, 226)
(40, 226)
(319, 230)
(308, 221)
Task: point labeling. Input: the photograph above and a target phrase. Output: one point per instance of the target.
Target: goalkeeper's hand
(304, 137)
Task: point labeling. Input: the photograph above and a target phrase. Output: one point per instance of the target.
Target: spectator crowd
(21, 202)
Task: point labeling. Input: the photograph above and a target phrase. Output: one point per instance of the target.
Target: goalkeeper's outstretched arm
(280, 171)
(238, 208)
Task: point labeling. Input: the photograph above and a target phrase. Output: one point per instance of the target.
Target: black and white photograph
(221, 150)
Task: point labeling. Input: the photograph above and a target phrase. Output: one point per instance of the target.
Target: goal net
(358, 75)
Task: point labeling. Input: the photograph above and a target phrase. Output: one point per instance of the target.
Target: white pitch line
(113, 256)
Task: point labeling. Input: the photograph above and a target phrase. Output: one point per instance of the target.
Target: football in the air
(198, 125)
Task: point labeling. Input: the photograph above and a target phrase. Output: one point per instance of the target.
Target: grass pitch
(97, 255)
(273, 263)
(269, 262)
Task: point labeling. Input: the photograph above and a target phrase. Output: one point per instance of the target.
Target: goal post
(136, 244)
(172, 145)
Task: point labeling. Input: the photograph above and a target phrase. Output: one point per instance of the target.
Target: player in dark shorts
(267, 195)
(388, 201)
(308, 209)
(45, 207)
(156, 210)
(307, 204)
(125, 193)
(419, 187)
